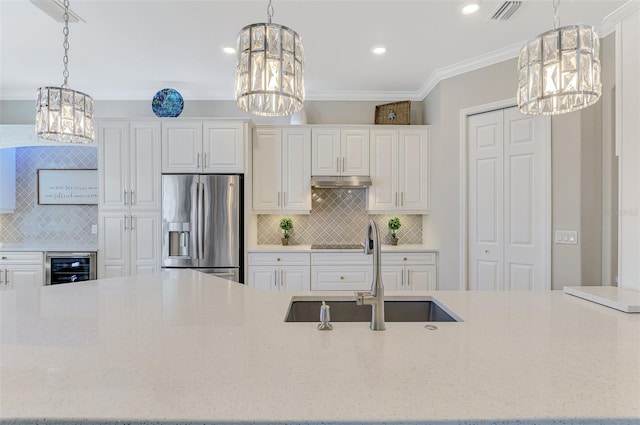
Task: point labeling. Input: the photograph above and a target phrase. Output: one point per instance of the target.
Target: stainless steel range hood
(340, 182)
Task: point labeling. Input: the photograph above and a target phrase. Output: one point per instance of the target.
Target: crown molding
(608, 24)
(363, 96)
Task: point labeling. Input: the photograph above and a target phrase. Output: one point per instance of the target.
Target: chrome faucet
(374, 298)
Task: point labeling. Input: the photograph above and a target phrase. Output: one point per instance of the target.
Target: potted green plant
(286, 224)
(394, 225)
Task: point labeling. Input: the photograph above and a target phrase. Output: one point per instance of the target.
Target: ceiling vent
(505, 11)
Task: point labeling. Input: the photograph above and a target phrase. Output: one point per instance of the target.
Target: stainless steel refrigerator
(202, 223)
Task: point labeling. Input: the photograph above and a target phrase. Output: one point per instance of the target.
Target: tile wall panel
(338, 216)
(33, 223)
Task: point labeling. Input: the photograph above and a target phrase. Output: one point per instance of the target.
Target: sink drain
(431, 327)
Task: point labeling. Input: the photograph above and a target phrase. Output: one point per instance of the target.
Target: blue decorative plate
(167, 103)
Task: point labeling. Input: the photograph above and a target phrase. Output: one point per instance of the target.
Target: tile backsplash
(338, 216)
(41, 224)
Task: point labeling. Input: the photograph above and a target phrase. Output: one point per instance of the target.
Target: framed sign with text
(67, 187)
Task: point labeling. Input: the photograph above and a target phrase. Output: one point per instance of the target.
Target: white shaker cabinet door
(267, 164)
(114, 245)
(113, 142)
(145, 247)
(392, 277)
(296, 170)
(263, 277)
(145, 163)
(354, 148)
(223, 148)
(383, 193)
(23, 276)
(326, 155)
(413, 170)
(420, 278)
(294, 278)
(182, 147)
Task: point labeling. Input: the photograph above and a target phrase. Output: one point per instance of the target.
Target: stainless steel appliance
(67, 267)
(202, 223)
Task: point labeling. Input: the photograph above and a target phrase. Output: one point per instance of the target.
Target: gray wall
(576, 174)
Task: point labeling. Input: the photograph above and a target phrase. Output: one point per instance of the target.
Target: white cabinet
(279, 271)
(399, 170)
(282, 170)
(129, 163)
(203, 147)
(7, 181)
(129, 244)
(409, 271)
(341, 271)
(21, 270)
(340, 152)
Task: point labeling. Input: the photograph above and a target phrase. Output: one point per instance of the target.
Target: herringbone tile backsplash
(33, 223)
(338, 216)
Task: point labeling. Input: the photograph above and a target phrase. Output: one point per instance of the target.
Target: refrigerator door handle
(195, 206)
(201, 219)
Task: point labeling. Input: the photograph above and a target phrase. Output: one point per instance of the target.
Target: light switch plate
(94, 229)
(566, 237)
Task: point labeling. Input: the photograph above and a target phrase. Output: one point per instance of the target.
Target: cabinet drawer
(278, 258)
(400, 258)
(339, 258)
(346, 278)
(21, 258)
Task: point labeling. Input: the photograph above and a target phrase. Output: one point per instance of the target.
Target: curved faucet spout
(374, 298)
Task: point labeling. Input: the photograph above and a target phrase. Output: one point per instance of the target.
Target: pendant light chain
(270, 11)
(556, 18)
(65, 44)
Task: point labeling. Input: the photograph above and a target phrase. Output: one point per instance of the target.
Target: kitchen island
(185, 347)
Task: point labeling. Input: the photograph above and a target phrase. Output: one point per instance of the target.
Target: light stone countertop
(46, 246)
(186, 347)
(307, 248)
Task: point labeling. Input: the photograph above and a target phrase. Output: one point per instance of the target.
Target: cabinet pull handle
(125, 222)
(275, 276)
(278, 198)
(282, 278)
(284, 199)
(6, 276)
(205, 160)
(131, 222)
(402, 199)
(337, 164)
(0, 277)
(343, 164)
(132, 197)
(198, 159)
(125, 197)
(401, 277)
(396, 199)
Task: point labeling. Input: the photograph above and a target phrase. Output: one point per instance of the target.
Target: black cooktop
(337, 246)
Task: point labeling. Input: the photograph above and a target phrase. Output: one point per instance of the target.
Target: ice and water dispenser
(179, 234)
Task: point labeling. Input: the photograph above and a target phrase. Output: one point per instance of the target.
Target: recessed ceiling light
(229, 50)
(470, 8)
(378, 50)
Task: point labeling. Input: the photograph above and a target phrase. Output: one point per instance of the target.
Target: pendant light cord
(556, 19)
(65, 44)
(270, 11)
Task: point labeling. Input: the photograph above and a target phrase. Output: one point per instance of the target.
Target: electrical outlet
(94, 229)
(566, 237)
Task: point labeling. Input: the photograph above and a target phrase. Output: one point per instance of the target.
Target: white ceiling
(131, 49)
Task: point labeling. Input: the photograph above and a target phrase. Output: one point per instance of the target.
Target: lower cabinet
(21, 270)
(129, 244)
(409, 271)
(279, 271)
(341, 271)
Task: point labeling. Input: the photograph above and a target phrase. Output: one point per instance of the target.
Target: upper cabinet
(282, 170)
(399, 170)
(197, 146)
(129, 162)
(340, 152)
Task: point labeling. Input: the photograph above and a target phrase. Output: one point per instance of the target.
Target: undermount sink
(345, 309)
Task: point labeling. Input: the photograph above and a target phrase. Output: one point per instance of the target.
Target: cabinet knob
(341, 277)
(278, 259)
(405, 258)
(4, 258)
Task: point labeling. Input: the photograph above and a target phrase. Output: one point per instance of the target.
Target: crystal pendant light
(269, 74)
(559, 70)
(64, 115)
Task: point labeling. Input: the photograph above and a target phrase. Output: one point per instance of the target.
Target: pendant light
(559, 70)
(64, 115)
(269, 74)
